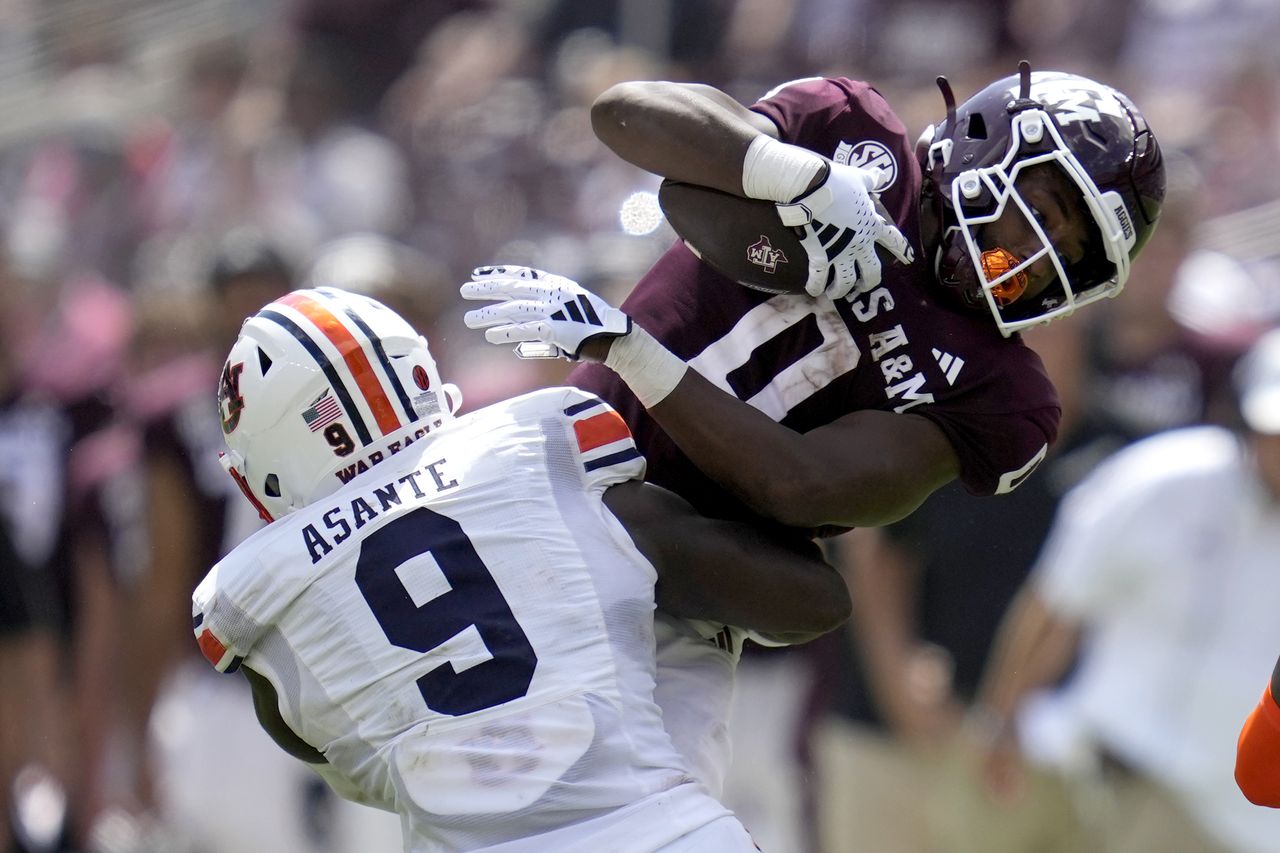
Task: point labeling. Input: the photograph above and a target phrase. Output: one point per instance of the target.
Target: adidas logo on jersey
(950, 365)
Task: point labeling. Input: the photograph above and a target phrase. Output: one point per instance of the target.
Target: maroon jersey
(807, 362)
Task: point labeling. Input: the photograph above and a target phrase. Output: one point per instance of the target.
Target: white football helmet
(321, 385)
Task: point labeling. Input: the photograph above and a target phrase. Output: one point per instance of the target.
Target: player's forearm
(867, 469)
(733, 574)
(736, 573)
(781, 474)
(686, 132)
(756, 459)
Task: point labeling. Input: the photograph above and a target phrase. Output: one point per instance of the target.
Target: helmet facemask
(1009, 130)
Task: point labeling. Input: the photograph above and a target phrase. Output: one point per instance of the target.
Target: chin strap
(229, 464)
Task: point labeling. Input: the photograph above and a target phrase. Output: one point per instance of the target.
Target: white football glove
(843, 223)
(536, 307)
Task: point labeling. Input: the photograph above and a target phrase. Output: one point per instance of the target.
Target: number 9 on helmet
(321, 385)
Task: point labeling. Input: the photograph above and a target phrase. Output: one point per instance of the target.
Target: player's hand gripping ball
(823, 244)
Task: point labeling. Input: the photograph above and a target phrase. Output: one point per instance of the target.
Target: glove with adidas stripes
(842, 223)
(546, 315)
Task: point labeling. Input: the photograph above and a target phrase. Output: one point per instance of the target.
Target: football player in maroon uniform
(849, 403)
(1027, 201)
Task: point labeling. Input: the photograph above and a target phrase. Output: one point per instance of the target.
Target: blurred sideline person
(34, 438)
(849, 404)
(1160, 573)
(59, 458)
(452, 618)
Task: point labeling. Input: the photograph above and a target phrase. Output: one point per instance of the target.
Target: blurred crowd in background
(168, 166)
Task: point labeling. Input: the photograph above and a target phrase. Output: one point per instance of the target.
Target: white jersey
(696, 665)
(466, 633)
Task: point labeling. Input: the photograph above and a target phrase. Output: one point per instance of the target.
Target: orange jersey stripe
(352, 354)
(599, 430)
(210, 647)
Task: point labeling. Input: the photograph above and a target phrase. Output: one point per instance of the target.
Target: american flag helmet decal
(323, 411)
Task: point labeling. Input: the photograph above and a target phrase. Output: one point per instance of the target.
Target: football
(741, 238)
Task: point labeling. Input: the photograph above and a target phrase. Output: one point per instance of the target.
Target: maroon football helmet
(972, 162)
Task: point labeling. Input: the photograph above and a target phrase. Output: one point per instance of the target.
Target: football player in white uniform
(451, 617)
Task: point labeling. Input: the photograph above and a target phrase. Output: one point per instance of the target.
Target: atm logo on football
(764, 255)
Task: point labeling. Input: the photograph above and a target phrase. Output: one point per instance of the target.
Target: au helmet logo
(762, 254)
(230, 401)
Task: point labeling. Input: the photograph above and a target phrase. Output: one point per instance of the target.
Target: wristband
(651, 370)
(776, 171)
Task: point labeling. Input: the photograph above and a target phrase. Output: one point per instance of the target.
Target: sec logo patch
(868, 154)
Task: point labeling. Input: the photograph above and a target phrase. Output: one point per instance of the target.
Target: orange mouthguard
(997, 262)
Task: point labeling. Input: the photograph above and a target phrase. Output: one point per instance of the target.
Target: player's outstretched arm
(684, 131)
(867, 468)
(731, 572)
(699, 135)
